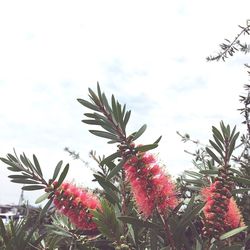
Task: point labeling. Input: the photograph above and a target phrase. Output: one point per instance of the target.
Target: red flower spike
(151, 188)
(220, 208)
(234, 217)
(74, 203)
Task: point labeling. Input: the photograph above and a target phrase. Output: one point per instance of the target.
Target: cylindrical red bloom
(151, 187)
(234, 217)
(221, 209)
(75, 203)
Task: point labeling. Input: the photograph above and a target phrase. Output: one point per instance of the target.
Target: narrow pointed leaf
(45, 208)
(116, 169)
(88, 105)
(232, 144)
(106, 183)
(33, 187)
(42, 198)
(37, 165)
(158, 140)
(99, 92)
(240, 190)
(209, 172)
(241, 180)
(233, 232)
(94, 97)
(106, 104)
(3, 233)
(140, 132)
(57, 170)
(63, 175)
(218, 142)
(212, 154)
(19, 176)
(146, 147)
(92, 122)
(104, 135)
(216, 147)
(139, 223)
(25, 181)
(126, 118)
(218, 134)
(111, 158)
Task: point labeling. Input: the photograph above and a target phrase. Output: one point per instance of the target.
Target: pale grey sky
(149, 54)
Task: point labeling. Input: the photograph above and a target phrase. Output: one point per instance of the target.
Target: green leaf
(94, 97)
(110, 158)
(193, 188)
(233, 247)
(63, 175)
(15, 166)
(209, 172)
(146, 147)
(116, 169)
(108, 127)
(104, 135)
(3, 232)
(232, 134)
(216, 147)
(99, 92)
(193, 174)
(57, 170)
(24, 181)
(187, 217)
(233, 232)
(194, 181)
(114, 108)
(106, 104)
(33, 187)
(126, 118)
(119, 114)
(92, 122)
(37, 165)
(140, 132)
(106, 183)
(241, 180)
(14, 169)
(45, 208)
(240, 190)
(158, 140)
(217, 134)
(232, 144)
(107, 222)
(224, 130)
(20, 176)
(218, 142)
(88, 105)
(27, 162)
(139, 223)
(12, 158)
(42, 198)
(235, 171)
(212, 154)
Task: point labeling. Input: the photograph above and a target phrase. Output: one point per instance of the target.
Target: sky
(150, 54)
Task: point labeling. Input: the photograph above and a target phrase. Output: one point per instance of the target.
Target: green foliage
(19, 234)
(107, 222)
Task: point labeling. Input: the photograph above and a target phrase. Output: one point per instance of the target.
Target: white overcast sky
(149, 54)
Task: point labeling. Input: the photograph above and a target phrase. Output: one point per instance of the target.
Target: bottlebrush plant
(139, 206)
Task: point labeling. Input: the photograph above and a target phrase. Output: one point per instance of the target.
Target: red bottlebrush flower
(150, 186)
(234, 217)
(220, 209)
(75, 203)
